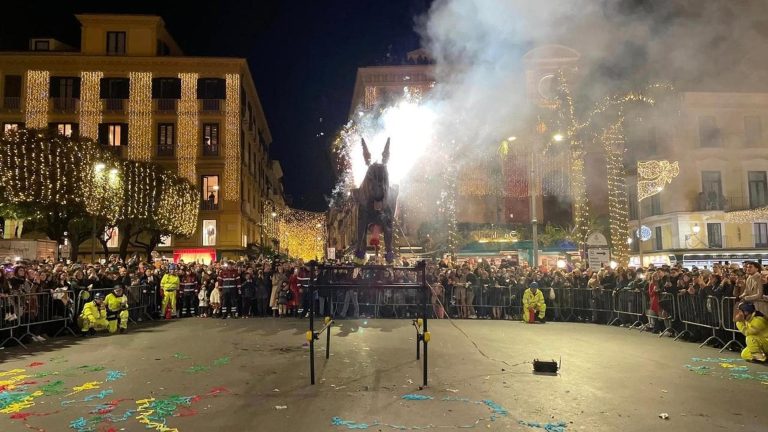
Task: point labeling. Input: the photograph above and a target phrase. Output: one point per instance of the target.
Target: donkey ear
(366, 153)
(385, 153)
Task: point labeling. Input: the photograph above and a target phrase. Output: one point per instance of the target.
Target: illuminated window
(245, 240)
(8, 127)
(209, 232)
(211, 139)
(113, 134)
(65, 129)
(210, 191)
(112, 237)
(115, 43)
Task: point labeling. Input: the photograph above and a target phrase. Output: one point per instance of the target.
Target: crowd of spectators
(474, 289)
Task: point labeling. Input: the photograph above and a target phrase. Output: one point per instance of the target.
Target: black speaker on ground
(543, 366)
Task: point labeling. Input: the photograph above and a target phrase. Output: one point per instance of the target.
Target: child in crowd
(283, 298)
(216, 301)
(202, 298)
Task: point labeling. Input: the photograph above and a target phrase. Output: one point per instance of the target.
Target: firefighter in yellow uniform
(117, 309)
(169, 284)
(533, 304)
(754, 325)
(94, 316)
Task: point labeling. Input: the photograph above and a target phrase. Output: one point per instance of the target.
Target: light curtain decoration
(618, 202)
(302, 233)
(90, 104)
(747, 216)
(36, 102)
(140, 116)
(232, 139)
(186, 146)
(653, 175)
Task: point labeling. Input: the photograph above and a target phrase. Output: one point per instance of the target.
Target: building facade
(130, 87)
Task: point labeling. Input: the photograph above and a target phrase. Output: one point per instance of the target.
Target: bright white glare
(558, 137)
(629, 240)
(561, 264)
(99, 167)
(613, 264)
(512, 138)
(409, 126)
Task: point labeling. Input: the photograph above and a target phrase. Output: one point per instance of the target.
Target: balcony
(165, 105)
(165, 150)
(11, 103)
(729, 203)
(209, 205)
(114, 105)
(210, 105)
(210, 149)
(65, 105)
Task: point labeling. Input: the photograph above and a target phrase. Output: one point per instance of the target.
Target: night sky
(303, 56)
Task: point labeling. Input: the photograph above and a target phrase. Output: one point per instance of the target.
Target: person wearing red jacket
(229, 281)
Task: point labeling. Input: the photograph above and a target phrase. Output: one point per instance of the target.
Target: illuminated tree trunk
(618, 202)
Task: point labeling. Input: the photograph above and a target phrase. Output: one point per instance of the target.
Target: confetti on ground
(92, 368)
(44, 374)
(25, 416)
(92, 385)
(54, 388)
(35, 364)
(100, 395)
(181, 356)
(197, 368)
(57, 360)
(12, 372)
(727, 365)
(416, 397)
(114, 375)
(221, 361)
(26, 402)
(701, 370)
(549, 427)
(716, 360)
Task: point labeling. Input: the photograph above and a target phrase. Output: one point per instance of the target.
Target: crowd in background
(474, 289)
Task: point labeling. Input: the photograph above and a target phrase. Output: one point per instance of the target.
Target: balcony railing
(210, 150)
(114, 105)
(208, 205)
(210, 105)
(165, 105)
(165, 150)
(66, 104)
(729, 203)
(11, 103)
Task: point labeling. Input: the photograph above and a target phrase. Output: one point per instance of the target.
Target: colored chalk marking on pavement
(54, 388)
(26, 402)
(91, 385)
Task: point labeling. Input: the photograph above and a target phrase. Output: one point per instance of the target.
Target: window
(8, 127)
(64, 91)
(211, 88)
(209, 232)
(113, 134)
(714, 235)
(655, 204)
(165, 139)
(65, 129)
(709, 134)
(712, 190)
(758, 189)
(658, 241)
(210, 192)
(12, 94)
(753, 131)
(42, 45)
(111, 236)
(115, 43)
(211, 139)
(761, 234)
(166, 88)
(114, 88)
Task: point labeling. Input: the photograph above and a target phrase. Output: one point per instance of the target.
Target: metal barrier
(727, 306)
(10, 314)
(668, 305)
(699, 311)
(596, 302)
(41, 308)
(632, 303)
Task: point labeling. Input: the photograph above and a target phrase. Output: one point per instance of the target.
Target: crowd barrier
(23, 315)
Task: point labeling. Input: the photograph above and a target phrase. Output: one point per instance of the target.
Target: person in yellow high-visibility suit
(94, 316)
(754, 325)
(533, 303)
(117, 309)
(170, 284)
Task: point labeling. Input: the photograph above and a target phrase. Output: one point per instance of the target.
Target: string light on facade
(302, 233)
(232, 139)
(618, 203)
(36, 102)
(90, 104)
(140, 116)
(188, 129)
(747, 216)
(654, 175)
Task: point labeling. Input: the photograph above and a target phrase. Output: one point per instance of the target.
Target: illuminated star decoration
(653, 176)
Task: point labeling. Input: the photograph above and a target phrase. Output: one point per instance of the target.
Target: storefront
(199, 255)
